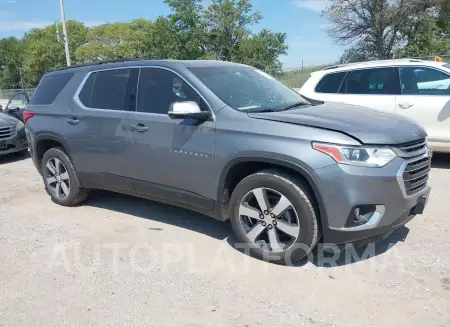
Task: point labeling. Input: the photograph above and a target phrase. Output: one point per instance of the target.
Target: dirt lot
(120, 261)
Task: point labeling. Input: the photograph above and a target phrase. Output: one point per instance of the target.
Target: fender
(49, 136)
(302, 171)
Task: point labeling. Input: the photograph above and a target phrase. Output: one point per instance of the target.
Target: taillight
(27, 115)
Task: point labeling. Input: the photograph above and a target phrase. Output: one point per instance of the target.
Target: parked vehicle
(16, 105)
(231, 142)
(416, 89)
(12, 135)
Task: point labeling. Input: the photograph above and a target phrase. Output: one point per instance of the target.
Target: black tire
(77, 194)
(296, 191)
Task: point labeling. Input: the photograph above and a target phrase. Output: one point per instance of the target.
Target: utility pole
(21, 77)
(66, 39)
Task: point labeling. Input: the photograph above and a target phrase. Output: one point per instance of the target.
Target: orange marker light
(330, 150)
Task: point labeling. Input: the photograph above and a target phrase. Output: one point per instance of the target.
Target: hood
(6, 120)
(366, 125)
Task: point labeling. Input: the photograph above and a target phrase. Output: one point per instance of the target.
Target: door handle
(139, 127)
(72, 121)
(405, 105)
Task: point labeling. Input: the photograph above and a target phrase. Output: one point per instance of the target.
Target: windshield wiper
(262, 110)
(294, 105)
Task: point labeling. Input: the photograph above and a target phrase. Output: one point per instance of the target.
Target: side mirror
(187, 110)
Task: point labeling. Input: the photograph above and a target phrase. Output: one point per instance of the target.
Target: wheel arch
(240, 167)
(46, 141)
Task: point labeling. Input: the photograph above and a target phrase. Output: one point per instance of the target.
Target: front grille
(413, 149)
(415, 174)
(7, 131)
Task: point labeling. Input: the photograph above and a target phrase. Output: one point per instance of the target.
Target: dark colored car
(16, 105)
(231, 142)
(12, 135)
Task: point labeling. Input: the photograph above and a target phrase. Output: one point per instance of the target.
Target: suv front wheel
(60, 179)
(272, 215)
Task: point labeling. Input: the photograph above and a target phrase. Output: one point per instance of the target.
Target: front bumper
(344, 187)
(15, 143)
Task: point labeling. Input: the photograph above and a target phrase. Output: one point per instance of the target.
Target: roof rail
(97, 63)
(333, 67)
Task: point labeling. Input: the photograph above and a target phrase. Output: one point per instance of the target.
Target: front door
(97, 127)
(16, 105)
(425, 98)
(171, 158)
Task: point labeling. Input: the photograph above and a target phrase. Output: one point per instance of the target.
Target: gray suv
(231, 142)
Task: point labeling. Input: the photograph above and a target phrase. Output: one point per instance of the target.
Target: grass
(296, 78)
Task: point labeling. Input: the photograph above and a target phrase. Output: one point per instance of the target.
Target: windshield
(248, 89)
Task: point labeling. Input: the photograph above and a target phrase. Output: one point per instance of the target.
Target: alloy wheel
(269, 219)
(57, 178)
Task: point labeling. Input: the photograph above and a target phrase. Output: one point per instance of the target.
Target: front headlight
(357, 155)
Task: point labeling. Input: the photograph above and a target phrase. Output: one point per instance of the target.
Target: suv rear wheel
(60, 179)
(272, 215)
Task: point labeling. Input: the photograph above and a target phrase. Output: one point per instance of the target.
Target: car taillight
(27, 115)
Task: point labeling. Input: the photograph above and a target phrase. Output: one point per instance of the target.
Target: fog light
(360, 215)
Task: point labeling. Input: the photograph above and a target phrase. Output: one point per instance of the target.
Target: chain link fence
(5, 95)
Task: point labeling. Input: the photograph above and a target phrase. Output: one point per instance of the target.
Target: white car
(417, 89)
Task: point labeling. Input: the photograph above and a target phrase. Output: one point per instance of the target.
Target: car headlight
(357, 155)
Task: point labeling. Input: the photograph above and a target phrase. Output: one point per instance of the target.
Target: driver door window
(424, 81)
(159, 88)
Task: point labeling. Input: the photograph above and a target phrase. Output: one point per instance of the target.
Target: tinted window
(86, 91)
(246, 88)
(20, 100)
(109, 89)
(447, 66)
(371, 81)
(49, 88)
(330, 83)
(420, 80)
(159, 88)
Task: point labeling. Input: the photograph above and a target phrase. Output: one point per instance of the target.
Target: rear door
(172, 156)
(425, 98)
(371, 87)
(97, 129)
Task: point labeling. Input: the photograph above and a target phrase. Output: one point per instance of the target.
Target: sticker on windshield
(263, 74)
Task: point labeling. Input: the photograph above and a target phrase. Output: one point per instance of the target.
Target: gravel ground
(122, 261)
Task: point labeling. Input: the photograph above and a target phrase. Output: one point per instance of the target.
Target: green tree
(42, 52)
(186, 33)
(429, 35)
(228, 23)
(262, 51)
(10, 61)
(117, 40)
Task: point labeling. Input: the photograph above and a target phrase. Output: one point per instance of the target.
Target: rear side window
(330, 83)
(372, 81)
(110, 89)
(49, 88)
